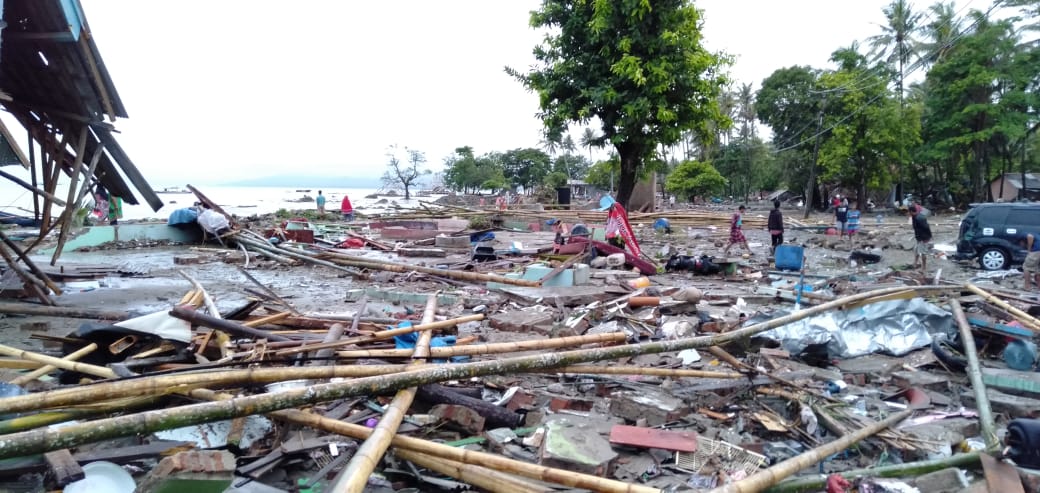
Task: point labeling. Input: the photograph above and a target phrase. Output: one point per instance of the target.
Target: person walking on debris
(736, 232)
(1031, 266)
(776, 226)
(560, 228)
(841, 215)
(853, 224)
(346, 209)
(321, 204)
(923, 235)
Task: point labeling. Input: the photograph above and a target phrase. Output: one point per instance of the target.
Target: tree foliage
(690, 179)
(640, 69)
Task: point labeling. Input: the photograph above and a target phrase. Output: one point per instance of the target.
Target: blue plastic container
(1020, 355)
(789, 257)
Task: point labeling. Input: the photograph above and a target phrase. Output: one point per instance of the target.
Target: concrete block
(949, 480)
(655, 407)
(451, 242)
(572, 443)
(197, 471)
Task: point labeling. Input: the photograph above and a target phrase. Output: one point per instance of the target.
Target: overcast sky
(219, 90)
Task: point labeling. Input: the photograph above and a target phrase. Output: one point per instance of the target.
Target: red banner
(617, 224)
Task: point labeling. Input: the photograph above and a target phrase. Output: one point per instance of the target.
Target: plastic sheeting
(891, 327)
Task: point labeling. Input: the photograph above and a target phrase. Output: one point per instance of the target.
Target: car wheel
(994, 258)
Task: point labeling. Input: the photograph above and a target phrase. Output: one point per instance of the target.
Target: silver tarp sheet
(891, 327)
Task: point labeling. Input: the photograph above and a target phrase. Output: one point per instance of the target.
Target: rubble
(412, 366)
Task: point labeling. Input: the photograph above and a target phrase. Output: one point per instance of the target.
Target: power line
(913, 68)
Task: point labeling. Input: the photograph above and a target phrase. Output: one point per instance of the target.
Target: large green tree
(525, 167)
(639, 67)
(690, 179)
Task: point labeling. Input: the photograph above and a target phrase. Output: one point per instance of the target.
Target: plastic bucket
(789, 257)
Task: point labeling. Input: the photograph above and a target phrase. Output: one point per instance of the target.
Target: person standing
(853, 217)
(776, 226)
(923, 235)
(736, 232)
(1031, 267)
(321, 204)
(841, 216)
(346, 209)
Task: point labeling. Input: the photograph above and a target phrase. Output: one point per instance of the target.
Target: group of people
(345, 206)
(848, 224)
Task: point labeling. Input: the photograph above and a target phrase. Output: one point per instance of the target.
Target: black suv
(995, 233)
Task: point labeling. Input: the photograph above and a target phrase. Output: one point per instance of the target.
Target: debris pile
(559, 364)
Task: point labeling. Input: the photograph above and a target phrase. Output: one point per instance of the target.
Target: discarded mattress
(891, 327)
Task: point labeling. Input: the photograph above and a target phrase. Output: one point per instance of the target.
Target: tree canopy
(640, 68)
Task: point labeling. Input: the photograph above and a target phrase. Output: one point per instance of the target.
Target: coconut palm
(940, 33)
(589, 139)
(896, 45)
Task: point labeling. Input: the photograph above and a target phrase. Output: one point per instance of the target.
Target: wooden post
(30, 264)
(32, 284)
(354, 476)
(65, 220)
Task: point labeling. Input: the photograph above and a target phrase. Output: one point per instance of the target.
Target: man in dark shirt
(923, 235)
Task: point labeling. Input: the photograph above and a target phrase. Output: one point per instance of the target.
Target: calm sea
(241, 201)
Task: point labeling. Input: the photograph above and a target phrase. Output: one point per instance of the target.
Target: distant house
(1006, 188)
(579, 189)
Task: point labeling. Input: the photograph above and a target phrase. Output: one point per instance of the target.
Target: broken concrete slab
(681, 441)
(1012, 381)
(572, 443)
(655, 407)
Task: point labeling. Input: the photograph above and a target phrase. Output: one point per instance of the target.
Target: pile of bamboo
(279, 344)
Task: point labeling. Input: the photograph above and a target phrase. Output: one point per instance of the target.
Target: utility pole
(810, 188)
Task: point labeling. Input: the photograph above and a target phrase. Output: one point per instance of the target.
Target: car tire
(994, 258)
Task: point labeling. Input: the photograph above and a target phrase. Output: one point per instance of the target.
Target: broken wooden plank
(64, 467)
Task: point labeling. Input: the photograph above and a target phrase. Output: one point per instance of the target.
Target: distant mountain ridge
(307, 181)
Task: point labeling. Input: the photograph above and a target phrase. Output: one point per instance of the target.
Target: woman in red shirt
(347, 209)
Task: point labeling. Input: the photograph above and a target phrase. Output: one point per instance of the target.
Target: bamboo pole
(205, 296)
(989, 429)
(25, 443)
(381, 335)
(43, 370)
(270, 319)
(354, 476)
(763, 479)
(344, 259)
(636, 370)
(1027, 320)
(480, 477)
(181, 383)
(268, 291)
(494, 348)
(264, 246)
(61, 311)
(497, 462)
(326, 355)
(818, 482)
(100, 371)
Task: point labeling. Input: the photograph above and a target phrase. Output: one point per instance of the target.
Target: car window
(990, 217)
(1024, 217)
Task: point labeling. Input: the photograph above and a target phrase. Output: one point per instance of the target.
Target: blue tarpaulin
(186, 215)
(408, 341)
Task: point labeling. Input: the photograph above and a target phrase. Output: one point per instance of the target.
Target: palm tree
(745, 113)
(589, 139)
(896, 44)
(940, 33)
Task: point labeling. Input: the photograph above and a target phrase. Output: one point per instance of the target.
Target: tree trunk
(631, 161)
